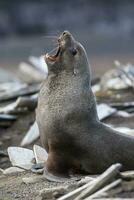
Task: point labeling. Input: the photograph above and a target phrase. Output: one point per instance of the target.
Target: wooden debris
(85, 180)
(127, 175)
(101, 181)
(102, 193)
(13, 94)
(21, 105)
(94, 185)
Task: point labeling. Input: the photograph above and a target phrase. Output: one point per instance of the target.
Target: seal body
(67, 118)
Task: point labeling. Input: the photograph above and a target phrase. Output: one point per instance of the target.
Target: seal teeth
(47, 55)
(53, 57)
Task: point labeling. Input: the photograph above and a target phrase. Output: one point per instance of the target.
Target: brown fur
(67, 118)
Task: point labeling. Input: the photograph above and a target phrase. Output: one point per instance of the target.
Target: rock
(21, 157)
(21, 105)
(6, 76)
(96, 88)
(31, 135)
(112, 80)
(1, 170)
(104, 111)
(39, 63)
(40, 154)
(13, 170)
(53, 193)
(125, 130)
(29, 74)
(34, 179)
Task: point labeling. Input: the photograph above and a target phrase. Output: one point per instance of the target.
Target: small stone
(21, 157)
(104, 111)
(13, 170)
(53, 193)
(1, 170)
(31, 135)
(40, 154)
(33, 179)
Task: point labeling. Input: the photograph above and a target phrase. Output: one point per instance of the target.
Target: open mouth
(54, 56)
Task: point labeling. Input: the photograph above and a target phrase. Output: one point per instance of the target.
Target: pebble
(31, 135)
(53, 193)
(21, 157)
(40, 154)
(33, 179)
(13, 170)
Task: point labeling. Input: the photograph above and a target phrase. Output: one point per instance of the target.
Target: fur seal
(68, 123)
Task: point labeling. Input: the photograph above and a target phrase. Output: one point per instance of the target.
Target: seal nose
(65, 33)
(66, 38)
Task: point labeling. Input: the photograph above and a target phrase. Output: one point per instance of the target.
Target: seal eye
(73, 51)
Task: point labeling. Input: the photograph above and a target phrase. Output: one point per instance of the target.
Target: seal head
(70, 54)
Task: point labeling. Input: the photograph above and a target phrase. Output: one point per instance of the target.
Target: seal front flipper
(50, 177)
(56, 167)
(40, 169)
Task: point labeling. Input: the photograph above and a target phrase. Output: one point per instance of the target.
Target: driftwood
(22, 104)
(27, 90)
(128, 175)
(29, 74)
(74, 193)
(101, 181)
(94, 185)
(102, 192)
